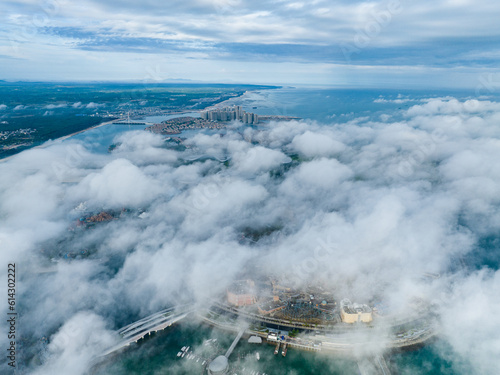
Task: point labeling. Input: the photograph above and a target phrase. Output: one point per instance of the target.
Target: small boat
(179, 354)
(276, 351)
(283, 352)
(183, 354)
(183, 348)
(257, 355)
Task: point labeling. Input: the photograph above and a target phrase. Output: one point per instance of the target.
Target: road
(153, 323)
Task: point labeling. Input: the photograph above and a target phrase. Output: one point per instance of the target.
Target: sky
(392, 43)
(373, 205)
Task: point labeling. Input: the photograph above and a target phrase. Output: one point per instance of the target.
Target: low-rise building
(355, 312)
(242, 293)
(270, 306)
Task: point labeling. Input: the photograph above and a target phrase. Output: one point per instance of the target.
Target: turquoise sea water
(341, 105)
(157, 354)
(323, 105)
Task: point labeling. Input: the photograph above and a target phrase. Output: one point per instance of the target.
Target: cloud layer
(237, 39)
(364, 207)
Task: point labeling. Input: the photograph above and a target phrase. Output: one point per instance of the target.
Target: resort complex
(312, 318)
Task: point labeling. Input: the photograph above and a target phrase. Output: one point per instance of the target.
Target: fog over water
(365, 206)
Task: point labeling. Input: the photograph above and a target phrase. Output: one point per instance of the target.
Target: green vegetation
(293, 333)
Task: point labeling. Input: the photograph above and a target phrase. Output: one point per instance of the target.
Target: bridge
(373, 366)
(155, 322)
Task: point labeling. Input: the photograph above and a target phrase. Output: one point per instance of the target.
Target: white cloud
(80, 339)
(55, 106)
(316, 144)
(92, 105)
(382, 228)
(120, 183)
(468, 323)
(258, 159)
(395, 101)
(316, 179)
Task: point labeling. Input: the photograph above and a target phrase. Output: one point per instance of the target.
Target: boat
(257, 355)
(276, 351)
(183, 348)
(179, 354)
(283, 352)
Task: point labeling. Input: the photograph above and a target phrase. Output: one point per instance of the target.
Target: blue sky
(438, 43)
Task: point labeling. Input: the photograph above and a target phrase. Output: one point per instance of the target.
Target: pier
(283, 352)
(220, 364)
(235, 342)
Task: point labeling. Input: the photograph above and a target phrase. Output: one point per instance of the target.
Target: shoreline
(60, 139)
(227, 102)
(64, 137)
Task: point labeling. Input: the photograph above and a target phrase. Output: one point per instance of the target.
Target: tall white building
(229, 114)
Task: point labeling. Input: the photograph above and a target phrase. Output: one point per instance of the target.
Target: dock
(285, 349)
(235, 342)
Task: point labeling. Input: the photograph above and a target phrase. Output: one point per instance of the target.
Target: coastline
(50, 142)
(84, 130)
(229, 102)
(181, 111)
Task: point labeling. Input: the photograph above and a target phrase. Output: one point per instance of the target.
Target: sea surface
(157, 354)
(326, 106)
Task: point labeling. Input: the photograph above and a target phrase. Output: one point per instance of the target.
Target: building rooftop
(219, 365)
(354, 308)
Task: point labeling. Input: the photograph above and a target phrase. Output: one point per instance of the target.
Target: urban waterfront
(157, 354)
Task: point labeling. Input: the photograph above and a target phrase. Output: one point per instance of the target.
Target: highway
(373, 366)
(153, 323)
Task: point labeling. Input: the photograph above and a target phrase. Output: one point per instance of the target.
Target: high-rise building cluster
(229, 114)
